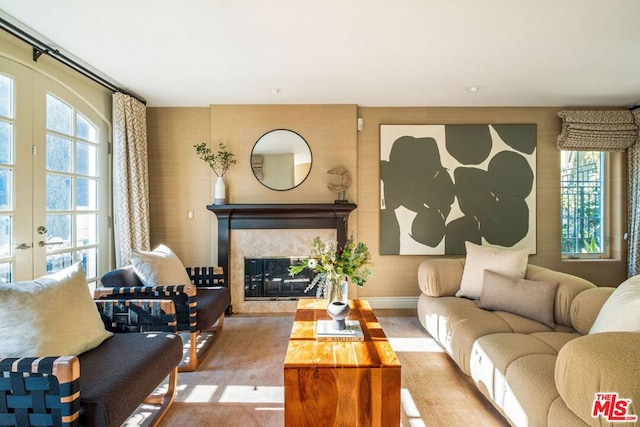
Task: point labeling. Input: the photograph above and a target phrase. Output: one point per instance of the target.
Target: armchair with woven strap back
(87, 389)
(200, 305)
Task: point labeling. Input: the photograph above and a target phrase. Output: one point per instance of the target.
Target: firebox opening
(268, 278)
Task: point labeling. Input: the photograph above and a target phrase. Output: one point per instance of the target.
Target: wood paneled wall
(180, 181)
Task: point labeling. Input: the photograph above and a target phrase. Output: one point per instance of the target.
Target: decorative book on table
(325, 332)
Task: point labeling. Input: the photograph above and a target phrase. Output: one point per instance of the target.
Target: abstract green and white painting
(442, 185)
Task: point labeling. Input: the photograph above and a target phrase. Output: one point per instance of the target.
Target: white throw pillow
(53, 315)
(159, 267)
(511, 263)
(621, 311)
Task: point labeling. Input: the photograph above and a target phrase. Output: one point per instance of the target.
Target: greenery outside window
(583, 193)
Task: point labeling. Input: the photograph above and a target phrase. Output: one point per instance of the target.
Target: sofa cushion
(555, 340)
(464, 333)
(621, 311)
(520, 324)
(440, 277)
(598, 363)
(586, 306)
(492, 354)
(212, 303)
(124, 276)
(53, 315)
(528, 298)
(159, 267)
(531, 390)
(569, 286)
(561, 416)
(512, 263)
(135, 362)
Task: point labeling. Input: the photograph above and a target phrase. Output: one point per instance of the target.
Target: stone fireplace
(267, 243)
(266, 230)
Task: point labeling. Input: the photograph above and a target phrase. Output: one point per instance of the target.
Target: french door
(53, 177)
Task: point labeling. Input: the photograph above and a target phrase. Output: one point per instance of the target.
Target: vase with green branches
(219, 162)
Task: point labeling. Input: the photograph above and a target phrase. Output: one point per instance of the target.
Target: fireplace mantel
(277, 216)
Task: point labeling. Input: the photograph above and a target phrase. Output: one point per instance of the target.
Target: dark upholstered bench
(200, 305)
(105, 385)
(122, 372)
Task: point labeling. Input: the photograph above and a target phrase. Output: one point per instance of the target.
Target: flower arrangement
(333, 265)
(220, 162)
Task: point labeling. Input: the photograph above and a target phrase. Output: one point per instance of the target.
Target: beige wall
(97, 97)
(396, 275)
(330, 131)
(180, 181)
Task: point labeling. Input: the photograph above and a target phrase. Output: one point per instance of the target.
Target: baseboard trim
(392, 302)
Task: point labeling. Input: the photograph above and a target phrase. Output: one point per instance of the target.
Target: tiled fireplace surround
(272, 230)
(267, 243)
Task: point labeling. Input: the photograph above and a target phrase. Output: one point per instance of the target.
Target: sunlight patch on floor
(252, 394)
(415, 345)
(200, 394)
(410, 409)
(138, 418)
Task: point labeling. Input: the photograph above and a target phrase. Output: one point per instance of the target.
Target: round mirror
(281, 159)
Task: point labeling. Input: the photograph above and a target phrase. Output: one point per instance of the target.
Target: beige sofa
(534, 374)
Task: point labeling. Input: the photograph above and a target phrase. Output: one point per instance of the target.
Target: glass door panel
(53, 177)
(16, 120)
(72, 186)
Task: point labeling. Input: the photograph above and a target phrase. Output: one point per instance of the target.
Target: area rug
(240, 381)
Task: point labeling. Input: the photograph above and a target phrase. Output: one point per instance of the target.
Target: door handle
(22, 246)
(41, 243)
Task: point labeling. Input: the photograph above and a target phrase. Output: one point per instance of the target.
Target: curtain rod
(40, 48)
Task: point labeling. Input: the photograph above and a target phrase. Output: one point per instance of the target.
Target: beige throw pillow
(159, 267)
(528, 298)
(54, 315)
(621, 311)
(512, 263)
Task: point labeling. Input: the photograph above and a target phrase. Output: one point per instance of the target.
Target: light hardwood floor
(240, 381)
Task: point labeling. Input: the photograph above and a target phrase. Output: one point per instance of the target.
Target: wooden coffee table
(335, 383)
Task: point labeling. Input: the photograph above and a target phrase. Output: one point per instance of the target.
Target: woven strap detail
(184, 298)
(31, 394)
(138, 315)
(206, 276)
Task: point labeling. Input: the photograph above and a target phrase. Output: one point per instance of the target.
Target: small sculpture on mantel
(340, 189)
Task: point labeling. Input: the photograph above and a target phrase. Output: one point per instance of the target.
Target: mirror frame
(254, 167)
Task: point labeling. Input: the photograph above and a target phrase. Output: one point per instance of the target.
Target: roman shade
(597, 130)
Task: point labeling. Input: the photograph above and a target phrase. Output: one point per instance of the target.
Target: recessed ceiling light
(473, 88)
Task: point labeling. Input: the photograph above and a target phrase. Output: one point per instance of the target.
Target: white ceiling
(365, 52)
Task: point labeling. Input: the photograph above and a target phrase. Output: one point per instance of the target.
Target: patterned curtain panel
(131, 177)
(597, 130)
(633, 177)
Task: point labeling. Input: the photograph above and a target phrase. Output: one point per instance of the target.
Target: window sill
(566, 259)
